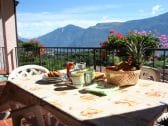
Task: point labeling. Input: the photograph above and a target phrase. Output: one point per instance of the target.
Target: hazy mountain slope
(62, 36)
(75, 36)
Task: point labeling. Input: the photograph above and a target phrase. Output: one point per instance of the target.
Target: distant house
(8, 35)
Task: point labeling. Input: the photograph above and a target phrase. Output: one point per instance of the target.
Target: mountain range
(74, 36)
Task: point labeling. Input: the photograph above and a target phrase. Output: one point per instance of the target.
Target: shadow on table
(63, 88)
(144, 117)
(46, 82)
(59, 84)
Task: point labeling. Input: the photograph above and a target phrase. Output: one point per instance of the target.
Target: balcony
(56, 57)
(3, 66)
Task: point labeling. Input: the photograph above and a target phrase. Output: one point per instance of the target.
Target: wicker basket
(122, 78)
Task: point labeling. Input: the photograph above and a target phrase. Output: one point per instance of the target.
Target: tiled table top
(126, 105)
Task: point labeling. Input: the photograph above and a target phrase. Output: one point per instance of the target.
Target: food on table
(99, 75)
(76, 73)
(77, 78)
(53, 74)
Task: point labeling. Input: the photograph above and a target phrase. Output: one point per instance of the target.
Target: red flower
(103, 44)
(112, 32)
(36, 44)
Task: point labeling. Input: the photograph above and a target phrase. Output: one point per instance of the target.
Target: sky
(38, 17)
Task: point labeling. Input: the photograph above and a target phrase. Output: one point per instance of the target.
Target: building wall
(9, 32)
(1, 31)
(2, 56)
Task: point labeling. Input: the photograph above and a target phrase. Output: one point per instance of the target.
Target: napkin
(101, 89)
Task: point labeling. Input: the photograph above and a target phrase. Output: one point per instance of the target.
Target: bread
(99, 75)
(53, 74)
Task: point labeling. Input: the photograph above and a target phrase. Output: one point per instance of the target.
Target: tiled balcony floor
(7, 122)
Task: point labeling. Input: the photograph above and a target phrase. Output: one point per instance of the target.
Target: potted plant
(133, 50)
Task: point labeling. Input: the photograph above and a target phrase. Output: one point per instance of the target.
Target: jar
(77, 78)
(81, 65)
(88, 77)
(110, 67)
(69, 66)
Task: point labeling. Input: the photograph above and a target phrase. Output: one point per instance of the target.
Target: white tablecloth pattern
(143, 96)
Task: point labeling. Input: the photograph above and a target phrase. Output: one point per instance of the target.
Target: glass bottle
(69, 67)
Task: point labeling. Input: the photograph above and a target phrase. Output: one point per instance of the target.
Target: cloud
(141, 11)
(108, 19)
(32, 25)
(156, 9)
(91, 9)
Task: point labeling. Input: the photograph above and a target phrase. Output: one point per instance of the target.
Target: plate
(54, 78)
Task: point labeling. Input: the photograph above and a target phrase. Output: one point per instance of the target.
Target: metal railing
(160, 61)
(3, 66)
(56, 57)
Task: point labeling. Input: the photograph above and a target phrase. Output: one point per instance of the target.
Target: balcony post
(8, 31)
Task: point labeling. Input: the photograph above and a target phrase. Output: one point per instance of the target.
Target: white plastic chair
(17, 115)
(26, 71)
(149, 73)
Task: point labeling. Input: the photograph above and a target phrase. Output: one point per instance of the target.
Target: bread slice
(53, 74)
(99, 75)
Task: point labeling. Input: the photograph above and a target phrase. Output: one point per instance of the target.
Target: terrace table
(137, 105)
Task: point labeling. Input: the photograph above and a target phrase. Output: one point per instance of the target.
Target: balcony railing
(56, 57)
(3, 69)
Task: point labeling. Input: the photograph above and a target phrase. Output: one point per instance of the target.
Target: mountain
(74, 36)
(62, 36)
(23, 39)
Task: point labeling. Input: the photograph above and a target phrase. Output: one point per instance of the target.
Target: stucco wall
(1, 32)
(2, 58)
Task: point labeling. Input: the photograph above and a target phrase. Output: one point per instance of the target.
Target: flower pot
(122, 78)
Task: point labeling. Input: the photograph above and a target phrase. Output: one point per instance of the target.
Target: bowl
(122, 78)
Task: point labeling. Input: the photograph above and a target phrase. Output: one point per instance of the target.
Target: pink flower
(119, 35)
(142, 33)
(163, 41)
(163, 38)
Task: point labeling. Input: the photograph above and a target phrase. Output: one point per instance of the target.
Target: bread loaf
(99, 75)
(53, 74)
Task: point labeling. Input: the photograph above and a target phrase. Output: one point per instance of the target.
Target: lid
(76, 73)
(110, 67)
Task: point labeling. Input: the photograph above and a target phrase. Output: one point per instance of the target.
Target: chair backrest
(26, 71)
(149, 73)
